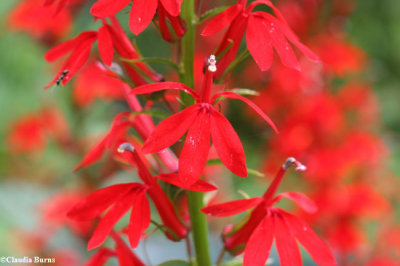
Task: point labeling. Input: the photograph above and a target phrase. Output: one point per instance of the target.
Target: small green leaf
(252, 172)
(159, 60)
(175, 263)
(152, 112)
(242, 91)
(211, 12)
(238, 261)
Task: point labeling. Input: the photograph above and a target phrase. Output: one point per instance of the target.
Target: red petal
(227, 144)
(285, 28)
(142, 14)
(233, 95)
(232, 207)
(65, 47)
(259, 43)
(289, 253)
(200, 185)
(98, 201)
(259, 244)
(316, 247)
(173, 7)
(160, 86)
(107, 8)
(170, 130)
(93, 155)
(222, 20)
(302, 200)
(282, 47)
(105, 44)
(117, 128)
(77, 59)
(107, 223)
(140, 218)
(100, 257)
(194, 154)
(125, 255)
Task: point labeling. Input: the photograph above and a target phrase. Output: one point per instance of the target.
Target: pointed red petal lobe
(173, 7)
(259, 244)
(222, 20)
(109, 220)
(105, 44)
(93, 155)
(285, 28)
(60, 50)
(168, 131)
(194, 154)
(228, 145)
(302, 200)
(282, 46)
(232, 207)
(140, 218)
(232, 95)
(125, 255)
(100, 257)
(316, 247)
(259, 43)
(107, 8)
(289, 253)
(142, 14)
(160, 86)
(98, 201)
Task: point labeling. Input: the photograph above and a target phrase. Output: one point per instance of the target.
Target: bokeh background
(358, 198)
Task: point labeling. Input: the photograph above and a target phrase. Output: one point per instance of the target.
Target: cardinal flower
(35, 18)
(142, 12)
(266, 223)
(118, 199)
(123, 253)
(108, 37)
(264, 32)
(202, 121)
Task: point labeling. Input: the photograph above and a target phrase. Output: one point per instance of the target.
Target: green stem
(195, 199)
(188, 42)
(199, 228)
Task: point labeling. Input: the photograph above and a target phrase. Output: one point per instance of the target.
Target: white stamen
(212, 63)
(290, 161)
(125, 147)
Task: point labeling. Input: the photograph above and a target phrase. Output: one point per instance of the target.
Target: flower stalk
(195, 199)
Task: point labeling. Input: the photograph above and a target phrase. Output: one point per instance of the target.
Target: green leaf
(234, 262)
(242, 91)
(159, 60)
(211, 12)
(249, 171)
(152, 112)
(175, 263)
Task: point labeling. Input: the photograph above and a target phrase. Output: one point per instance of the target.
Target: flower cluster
(173, 151)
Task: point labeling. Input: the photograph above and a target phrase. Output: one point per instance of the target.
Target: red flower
(122, 197)
(29, 134)
(123, 253)
(108, 37)
(35, 18)
(202, 121)
(95, 81)
(142, 12)
(267, 222)
(118, 199)
(264, 32)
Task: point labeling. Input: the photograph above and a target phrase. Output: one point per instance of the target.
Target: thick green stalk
(187, 44)
(195, 199)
